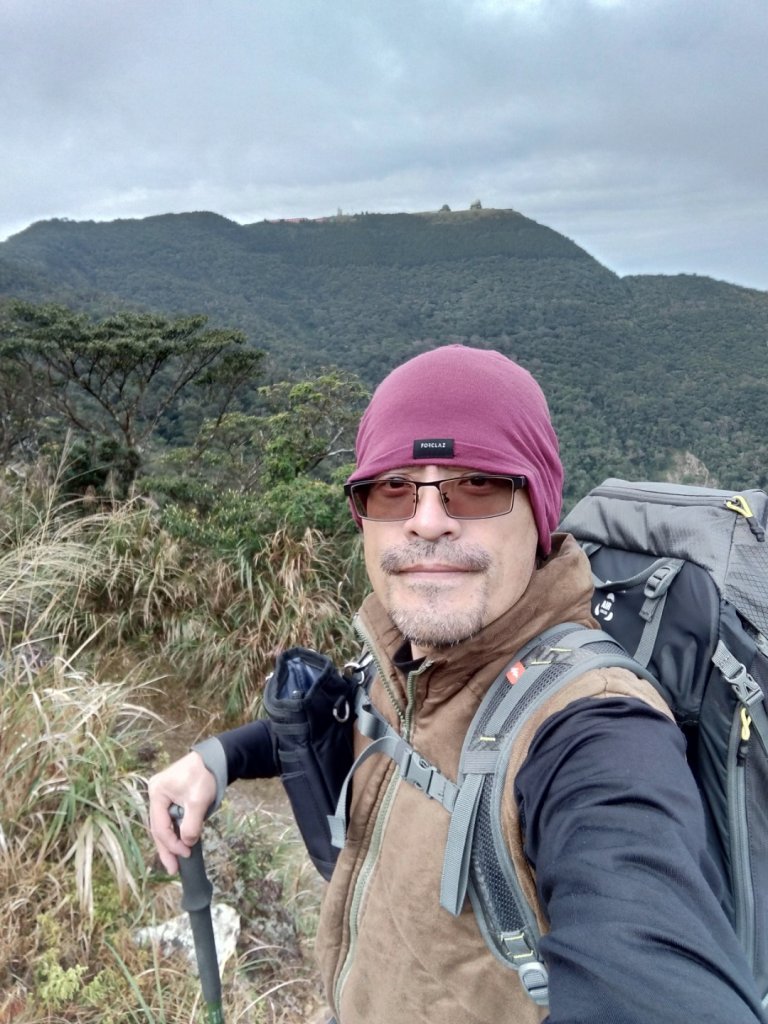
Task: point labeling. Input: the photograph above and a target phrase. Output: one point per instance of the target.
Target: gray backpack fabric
(681, 578)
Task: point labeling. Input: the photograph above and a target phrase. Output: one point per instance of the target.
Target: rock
(176, 934)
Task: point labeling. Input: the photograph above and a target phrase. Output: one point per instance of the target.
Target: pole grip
(196, 893)
(196, 887)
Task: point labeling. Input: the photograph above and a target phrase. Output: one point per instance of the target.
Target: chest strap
(414, 769)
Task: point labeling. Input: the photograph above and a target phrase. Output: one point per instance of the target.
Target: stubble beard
(427, 622)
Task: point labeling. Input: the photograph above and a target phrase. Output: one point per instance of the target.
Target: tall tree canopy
(121, 377)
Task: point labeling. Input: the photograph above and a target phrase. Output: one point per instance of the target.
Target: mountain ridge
(641, 371)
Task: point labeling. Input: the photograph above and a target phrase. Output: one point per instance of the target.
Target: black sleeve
(614, 827)
(249, 751)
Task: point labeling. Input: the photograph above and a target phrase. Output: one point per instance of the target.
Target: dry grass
(293, 592)
(78, 592)
(71, 825)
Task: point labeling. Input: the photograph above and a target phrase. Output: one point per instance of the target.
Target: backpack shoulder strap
(477, 862)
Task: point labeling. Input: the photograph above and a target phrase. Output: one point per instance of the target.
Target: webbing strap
(337, 822)
(747, 690)
(368, 722)
(656, 591)
(458, 846)
(414, 769)
(631, 581)
(657, 577)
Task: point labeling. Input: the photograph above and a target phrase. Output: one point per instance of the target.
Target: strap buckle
(531, 971)
(660, 580)
(744, 686)
(535, 981)
(424, 776)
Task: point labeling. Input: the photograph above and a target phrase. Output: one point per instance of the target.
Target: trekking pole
(196, 891)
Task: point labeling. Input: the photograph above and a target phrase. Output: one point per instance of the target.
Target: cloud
(631, 125)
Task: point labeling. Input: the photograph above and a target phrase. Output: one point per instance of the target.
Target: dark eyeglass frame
(356, 492)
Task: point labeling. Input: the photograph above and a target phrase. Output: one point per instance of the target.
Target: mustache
(469, 557)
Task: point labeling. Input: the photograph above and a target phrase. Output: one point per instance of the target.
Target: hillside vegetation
(105, 617)
(645, 375)
(178, 401)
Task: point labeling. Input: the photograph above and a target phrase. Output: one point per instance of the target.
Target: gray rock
(176, 934)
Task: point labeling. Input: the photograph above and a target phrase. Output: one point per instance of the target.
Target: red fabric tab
(514, 673)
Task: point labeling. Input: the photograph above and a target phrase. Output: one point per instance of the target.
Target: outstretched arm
(197, 782)
(615, 829)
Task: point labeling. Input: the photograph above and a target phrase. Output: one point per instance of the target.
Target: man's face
(441, 579)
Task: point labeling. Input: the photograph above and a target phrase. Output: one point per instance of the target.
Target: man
(457, 489)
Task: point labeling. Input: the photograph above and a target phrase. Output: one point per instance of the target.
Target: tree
(304, 428)
(310, 422)
(124, 375)
(282, 467)
(19, 411)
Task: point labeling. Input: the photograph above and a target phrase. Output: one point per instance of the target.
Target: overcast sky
(638, 128)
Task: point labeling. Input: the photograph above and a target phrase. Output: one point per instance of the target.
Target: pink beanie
(466, 407)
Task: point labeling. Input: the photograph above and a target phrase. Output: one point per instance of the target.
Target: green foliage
(252, 474)
(304, 503)
(123, 377)
(233, 523)
(55, 985)
(228, 524)
(309, 422)
(96, 464)
(640, 373)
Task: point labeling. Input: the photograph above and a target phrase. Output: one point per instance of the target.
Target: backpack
(681, 577)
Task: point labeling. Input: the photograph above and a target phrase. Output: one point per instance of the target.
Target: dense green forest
(646, 376)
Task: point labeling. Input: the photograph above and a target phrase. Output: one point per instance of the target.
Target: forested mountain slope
(645, 375)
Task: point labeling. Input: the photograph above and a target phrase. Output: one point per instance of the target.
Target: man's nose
(430, 518)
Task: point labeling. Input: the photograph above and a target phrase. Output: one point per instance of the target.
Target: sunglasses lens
(478, 497)
(385, 500)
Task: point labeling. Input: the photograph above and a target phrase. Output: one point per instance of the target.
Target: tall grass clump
(72, 809)
(217, 622)
(79, 591)
(72, 822)
(295, 590)
(214, 619)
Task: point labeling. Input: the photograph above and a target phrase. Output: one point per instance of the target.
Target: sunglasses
(472, 496)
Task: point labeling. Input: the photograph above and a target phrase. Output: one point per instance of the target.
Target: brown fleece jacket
(389, 954)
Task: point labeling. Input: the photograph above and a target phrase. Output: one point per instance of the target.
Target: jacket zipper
(405, 715)
(361, 885)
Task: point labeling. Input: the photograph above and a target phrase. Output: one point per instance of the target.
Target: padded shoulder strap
(477, 861)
